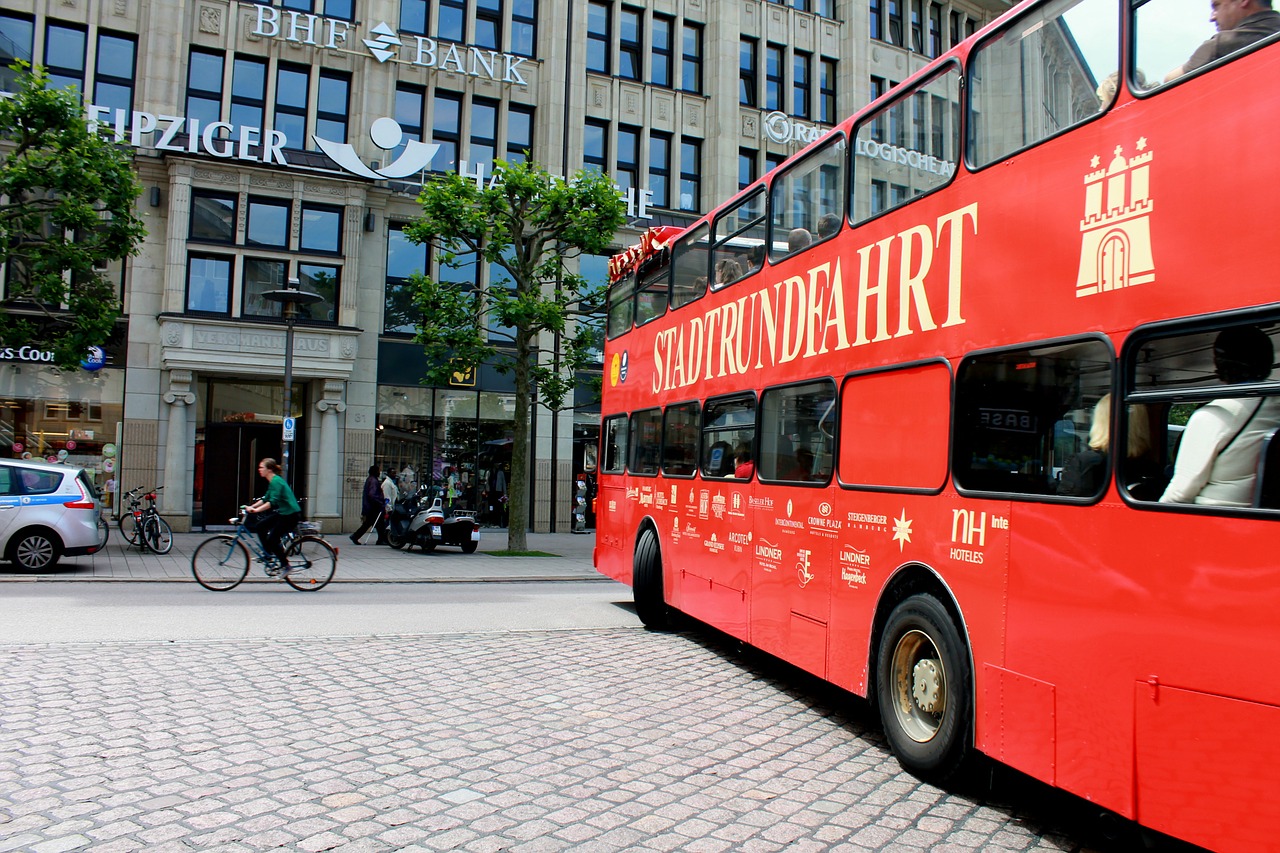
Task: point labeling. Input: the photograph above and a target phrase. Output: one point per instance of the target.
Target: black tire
(129, 528)
(394, 541)
(157, 534)
(36, 550)
(429, 545)
(104, 533)
(220, 563)
(315, 563)
(924, 689)
(470, 547)
(646, 583)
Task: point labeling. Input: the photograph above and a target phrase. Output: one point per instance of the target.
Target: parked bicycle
(143, 526)
(222, 562)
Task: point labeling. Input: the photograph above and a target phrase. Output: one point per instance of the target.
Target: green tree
(68, 209)
(526, 223)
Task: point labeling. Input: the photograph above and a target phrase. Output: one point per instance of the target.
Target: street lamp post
(289, 298)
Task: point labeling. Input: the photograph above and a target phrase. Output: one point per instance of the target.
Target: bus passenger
(1217, 462)
(745, 467)
(798, 239)
(1084, 472)
(828, 224)
(727, 271)
(755, 257)
(1240, 23)
(801, 467)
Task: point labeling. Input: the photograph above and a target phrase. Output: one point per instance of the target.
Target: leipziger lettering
(805, 316)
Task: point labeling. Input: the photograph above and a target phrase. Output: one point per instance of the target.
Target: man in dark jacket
(1240, 23)
(370, 504)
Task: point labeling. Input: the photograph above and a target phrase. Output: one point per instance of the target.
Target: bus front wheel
(924, 689)
(646, 583)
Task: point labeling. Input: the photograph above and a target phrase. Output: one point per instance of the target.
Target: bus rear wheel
(925, 689)
(646, 583)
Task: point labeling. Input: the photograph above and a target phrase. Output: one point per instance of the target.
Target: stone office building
(285, 142)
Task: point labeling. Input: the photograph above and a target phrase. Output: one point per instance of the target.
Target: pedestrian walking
(390, 494)
(370, 505)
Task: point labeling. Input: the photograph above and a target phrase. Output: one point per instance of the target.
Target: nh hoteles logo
(385, 45)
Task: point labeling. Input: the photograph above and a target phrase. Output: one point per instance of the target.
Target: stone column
(328, 463)
(175, 500)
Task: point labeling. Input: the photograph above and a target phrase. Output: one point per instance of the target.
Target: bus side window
(690, 265)
(1213, 399)
(908, 148)
(739, 241)
(797, 432)
(680, 440)
(729, 437)
(651, 295)
(1039, 76)
(1170, 42)
(1022, 414)
(802, 194)
(646, 442)
(614, 445)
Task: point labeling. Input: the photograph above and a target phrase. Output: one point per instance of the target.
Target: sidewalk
(365, 563)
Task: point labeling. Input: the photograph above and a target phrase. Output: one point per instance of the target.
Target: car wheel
(36, 550)
(470, 547)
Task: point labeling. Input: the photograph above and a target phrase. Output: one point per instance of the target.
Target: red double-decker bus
(967, 408)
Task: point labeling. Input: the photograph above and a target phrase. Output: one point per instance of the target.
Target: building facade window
(801, 83)
(660, 53)
(291, 104)
(691, 175)
(409, 109)
(489, 24)
(268, 223)
(935, 30)
(773, 73)
(213, 217)
(519, 133)
(747, 169)
(321, 229)
(748, 72)
(260, 276)
(630, 44)
(452, 22)
(598, 41)
(17, 41)
(484, 136)
(627, 175)
(876, 20)
(827, 92)
(332, 105)
(595, 146)
(323, 279)
(524, 27)
(114, 72)
(413, 16)
(344, 9)
(404, 260)
(209, 284)
(691, 58)
(248, 92)
(660, 168)
(446, 130)
(64, 56)
(204, 86)
(895, 22)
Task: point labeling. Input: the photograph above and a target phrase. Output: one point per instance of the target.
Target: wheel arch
(22, 532)
(911, 579)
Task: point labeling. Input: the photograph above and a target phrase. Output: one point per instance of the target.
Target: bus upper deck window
(740, 237)
(622, 306)
(690, 266)
(651, 295)
(801, 197)
(1173, 38)
(907, 148)
(1040, 75)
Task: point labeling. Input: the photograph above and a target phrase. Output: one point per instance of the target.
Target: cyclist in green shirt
(281, 509)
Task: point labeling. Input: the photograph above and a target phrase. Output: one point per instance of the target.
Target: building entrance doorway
(241, 424)
(231, 454)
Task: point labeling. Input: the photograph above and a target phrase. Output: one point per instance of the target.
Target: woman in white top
(1217, 461)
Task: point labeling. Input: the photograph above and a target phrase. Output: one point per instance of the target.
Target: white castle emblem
(1115, 244)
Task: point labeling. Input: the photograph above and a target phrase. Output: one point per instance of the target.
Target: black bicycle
(143, 526)
(222, 562)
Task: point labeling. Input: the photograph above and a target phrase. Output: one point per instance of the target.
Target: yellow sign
(465, 377)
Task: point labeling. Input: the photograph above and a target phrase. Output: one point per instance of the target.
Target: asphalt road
(477, 717)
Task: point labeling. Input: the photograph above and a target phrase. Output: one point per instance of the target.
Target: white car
(47, 510)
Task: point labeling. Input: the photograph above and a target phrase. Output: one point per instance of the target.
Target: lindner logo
(1115, 245)
(387, 134)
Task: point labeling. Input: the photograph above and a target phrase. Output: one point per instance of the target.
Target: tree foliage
(68, 210)
(527, 224)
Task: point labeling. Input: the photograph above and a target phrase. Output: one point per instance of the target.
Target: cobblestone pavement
(583, 740)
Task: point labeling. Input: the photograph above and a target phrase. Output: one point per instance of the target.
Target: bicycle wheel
(129, 528)
(104, 533)
(315, 562)
(157, 534)
(220, 563)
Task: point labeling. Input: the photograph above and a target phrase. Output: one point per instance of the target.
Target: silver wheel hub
(927, 686)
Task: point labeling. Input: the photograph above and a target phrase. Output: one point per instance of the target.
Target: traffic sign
(290, 427)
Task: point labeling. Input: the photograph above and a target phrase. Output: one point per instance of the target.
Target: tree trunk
(518, 484)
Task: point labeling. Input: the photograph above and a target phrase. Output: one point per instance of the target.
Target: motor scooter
(422, 520)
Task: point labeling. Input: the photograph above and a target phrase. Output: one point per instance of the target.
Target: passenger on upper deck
(828, 224)
(1240, 23)
(798, 239)
(745, 467)
(1217, 461)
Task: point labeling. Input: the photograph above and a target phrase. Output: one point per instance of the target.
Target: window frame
(708, 432)
(696, 436)
(230, 261)
(763, 428)
(633, 438)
